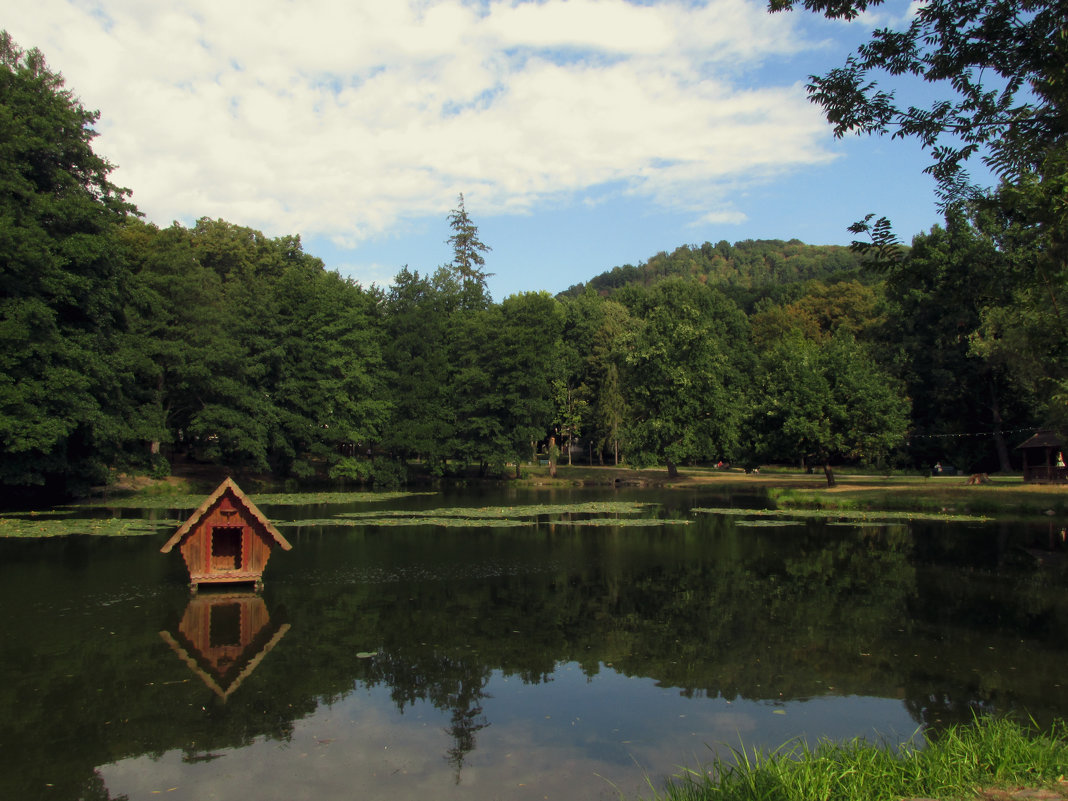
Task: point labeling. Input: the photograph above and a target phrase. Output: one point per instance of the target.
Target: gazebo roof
(1042, 439)
(243, 500)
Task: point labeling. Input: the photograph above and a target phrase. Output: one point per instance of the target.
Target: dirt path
(1057, 793)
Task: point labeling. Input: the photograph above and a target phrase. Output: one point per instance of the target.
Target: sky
(583, 134)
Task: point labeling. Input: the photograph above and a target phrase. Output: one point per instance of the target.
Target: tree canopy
(999, 69)
(62, 287)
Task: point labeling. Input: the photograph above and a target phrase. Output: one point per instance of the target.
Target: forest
(125, 346)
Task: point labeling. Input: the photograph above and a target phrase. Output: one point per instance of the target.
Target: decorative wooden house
(223, 637)
(227, 540)
(1043, 459)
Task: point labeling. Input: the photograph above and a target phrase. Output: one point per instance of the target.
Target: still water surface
(545, 661)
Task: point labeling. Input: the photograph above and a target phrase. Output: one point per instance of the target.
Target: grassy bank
(1003, 496)
(994, 759)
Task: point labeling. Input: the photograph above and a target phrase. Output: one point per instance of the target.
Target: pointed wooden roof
(228, 485)
(1043, 439)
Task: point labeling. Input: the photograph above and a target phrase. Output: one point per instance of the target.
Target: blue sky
(584, 134)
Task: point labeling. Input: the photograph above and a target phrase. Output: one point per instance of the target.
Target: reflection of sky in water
(571, 737)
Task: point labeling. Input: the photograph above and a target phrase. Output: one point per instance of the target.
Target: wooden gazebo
(227, 540)
(1043, 458)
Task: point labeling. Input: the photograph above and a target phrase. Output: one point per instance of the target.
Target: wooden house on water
(223, 637)
(1043, 459)
(227, 540)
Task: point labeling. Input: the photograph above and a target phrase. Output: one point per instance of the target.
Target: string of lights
(976, 434)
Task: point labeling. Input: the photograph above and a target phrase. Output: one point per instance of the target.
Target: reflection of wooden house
(227, 540)
(223, 637)
(1043, 458)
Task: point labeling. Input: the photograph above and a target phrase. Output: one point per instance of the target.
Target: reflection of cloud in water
(351, 751)
(544, 740)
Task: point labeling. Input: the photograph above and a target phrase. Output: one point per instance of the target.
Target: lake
(581, 654)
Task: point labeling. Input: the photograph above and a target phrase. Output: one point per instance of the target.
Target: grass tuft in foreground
(961, 763)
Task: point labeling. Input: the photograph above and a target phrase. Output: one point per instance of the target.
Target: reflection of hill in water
(711, 611)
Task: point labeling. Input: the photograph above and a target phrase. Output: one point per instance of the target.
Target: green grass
(959, 763)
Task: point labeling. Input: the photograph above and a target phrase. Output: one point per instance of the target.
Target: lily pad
(99, 526)
(839, 514)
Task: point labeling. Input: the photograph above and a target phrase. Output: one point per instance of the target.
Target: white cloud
(344, 119)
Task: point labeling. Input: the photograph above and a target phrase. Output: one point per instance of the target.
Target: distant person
(938, 468)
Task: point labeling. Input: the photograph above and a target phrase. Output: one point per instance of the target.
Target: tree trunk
(673, 470)
(552, 457)
(1004, 464)
(829, 473)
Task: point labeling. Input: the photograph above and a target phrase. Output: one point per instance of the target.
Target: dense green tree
(823, 310)
(326, 380)
(998, 66)
(526, 357)
(176, 331)
(1026, 334)
(481, 438)
(606, 363)
(246, 351)
(962, 401)
(684, 377)
(575, 385)
(987, 79)
(592, 355)
(62, 284)
(503, 378)
(826, 402)
(237, 422)
(467, 259)
(418, 325)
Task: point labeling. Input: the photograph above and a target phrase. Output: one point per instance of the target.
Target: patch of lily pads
(844, 516)
(521, 512)
(608, 513)
(767, 523)
(65, 522)
(54, 526)
(466, 522)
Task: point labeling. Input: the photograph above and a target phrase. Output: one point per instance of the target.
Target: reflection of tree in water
(467, 720)
(450, 682)
(984, 628)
